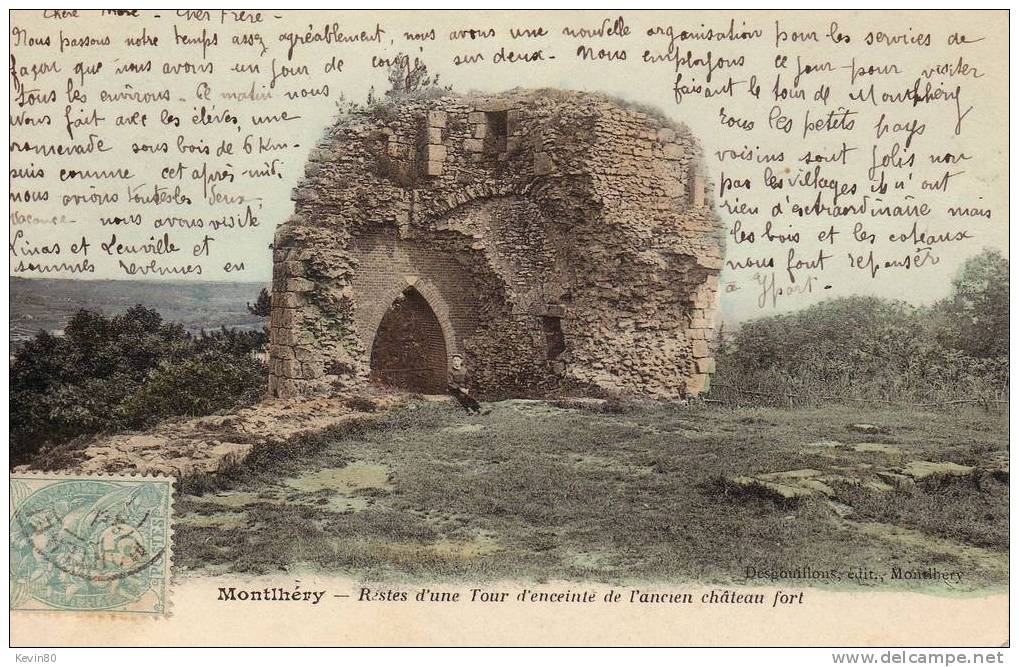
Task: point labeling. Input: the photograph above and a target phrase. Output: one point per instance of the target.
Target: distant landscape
(47, 304)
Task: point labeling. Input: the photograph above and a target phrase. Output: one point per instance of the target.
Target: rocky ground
(880, 467)
(589, 490)
(182, 447)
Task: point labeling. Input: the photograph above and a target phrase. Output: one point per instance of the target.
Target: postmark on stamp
(90, 543)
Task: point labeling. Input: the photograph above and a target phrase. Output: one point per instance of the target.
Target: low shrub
(125, 371)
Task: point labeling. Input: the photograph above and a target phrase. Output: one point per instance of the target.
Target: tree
(405, 77)
(974, 317)
(263, 305)
(126, 371)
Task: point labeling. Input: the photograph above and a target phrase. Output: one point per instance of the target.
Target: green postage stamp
(90, 543)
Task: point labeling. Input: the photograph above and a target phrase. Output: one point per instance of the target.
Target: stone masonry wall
(564, 240)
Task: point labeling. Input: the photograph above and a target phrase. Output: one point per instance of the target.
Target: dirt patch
(465, 429)
(529, 406)
(596, 560)
(593, 462)
(343, 480)
(238, 499)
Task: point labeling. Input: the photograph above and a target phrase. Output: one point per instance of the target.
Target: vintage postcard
(507, 328)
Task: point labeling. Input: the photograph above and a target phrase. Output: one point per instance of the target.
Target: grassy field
(538, 492)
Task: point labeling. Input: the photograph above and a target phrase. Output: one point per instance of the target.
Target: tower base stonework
(559, 241)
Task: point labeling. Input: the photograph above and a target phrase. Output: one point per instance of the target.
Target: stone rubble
(181, 447)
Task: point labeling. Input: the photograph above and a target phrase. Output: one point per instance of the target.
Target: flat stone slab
(894, 479)
(784, 491)
(805, 473)
(807, 482)
(925, 469)
(877, 448)
(841, 509)
(819, 486)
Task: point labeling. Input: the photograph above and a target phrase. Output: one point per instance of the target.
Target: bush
(195, 387)
(360, 404)
(866, 348)
(974, 319)
(126, 371)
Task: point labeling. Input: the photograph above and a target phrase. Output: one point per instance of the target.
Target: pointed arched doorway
(409, 350)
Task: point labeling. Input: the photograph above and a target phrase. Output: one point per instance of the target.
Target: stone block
(293, 267)
(295, 284)
(919, 470)
(542, 164)
(494, 105)
(512, 122)
(433, 153)
(432, 168)
(705, 299)
(673, 152)
(699, 348)
(474, 145)
(285, 317)
(698, 194)
(436, 118)
(706, 365)
(283, 337)
(304, 354)
(285, 300)
(710, 261)
(480, 131)
(290, 368)
(433, 135)
(698, 384)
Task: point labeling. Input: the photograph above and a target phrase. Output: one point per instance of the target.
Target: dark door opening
(409, 351)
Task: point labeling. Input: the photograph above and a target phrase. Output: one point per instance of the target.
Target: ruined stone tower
(559, 241)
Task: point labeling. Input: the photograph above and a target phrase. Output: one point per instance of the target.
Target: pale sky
(984, 135)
